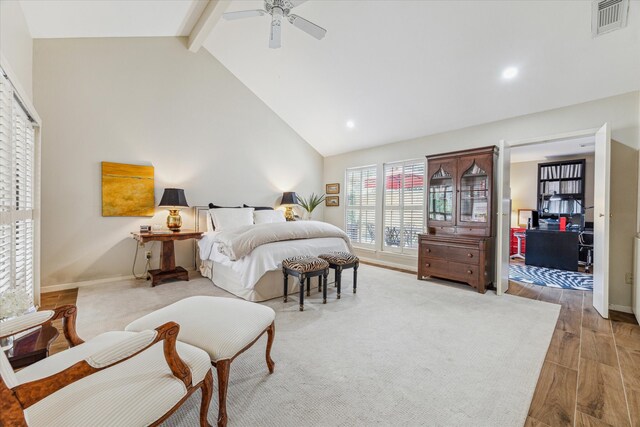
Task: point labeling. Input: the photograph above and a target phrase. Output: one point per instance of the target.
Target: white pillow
(228, 218)
(268, 216)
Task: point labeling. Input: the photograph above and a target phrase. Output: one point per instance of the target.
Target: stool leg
(339, 280)
(324, 287)
(271, 334)
(286, 286)
(222, 366)
(355, 277)
(302, 292)
(308, 286)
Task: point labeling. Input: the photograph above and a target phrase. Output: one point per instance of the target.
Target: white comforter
(239, 242)
(269, 256)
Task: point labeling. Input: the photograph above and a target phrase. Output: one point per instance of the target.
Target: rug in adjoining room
(551, 277)
(400, 352)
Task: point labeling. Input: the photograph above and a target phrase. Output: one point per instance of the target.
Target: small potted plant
(14, 302)
(309, 204)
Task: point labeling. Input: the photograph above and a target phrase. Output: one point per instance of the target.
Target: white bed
(258, 275)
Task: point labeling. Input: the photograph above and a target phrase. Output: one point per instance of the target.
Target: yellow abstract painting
(127, 190)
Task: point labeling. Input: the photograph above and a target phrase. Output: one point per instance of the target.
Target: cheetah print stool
(304, 268)
(339, 261)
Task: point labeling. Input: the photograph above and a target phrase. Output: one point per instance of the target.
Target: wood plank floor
(591, 374)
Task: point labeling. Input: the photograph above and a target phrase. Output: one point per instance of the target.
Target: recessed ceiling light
(350, 124)
(510, 72)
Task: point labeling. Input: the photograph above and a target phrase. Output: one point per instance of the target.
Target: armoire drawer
(430, 250)
(463, 255)
(435, 267)
(463, 272)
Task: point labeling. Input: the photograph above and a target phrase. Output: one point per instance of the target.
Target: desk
(168, 269)
(552, 249)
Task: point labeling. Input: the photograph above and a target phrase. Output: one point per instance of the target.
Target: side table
(168, 269)
(32, 347)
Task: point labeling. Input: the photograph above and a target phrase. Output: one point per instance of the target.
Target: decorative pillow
(228, 218)
(268, 216)
(258, 208)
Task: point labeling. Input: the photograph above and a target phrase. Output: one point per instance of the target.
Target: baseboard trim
(622, 308)
(87, 283)
(387, 264)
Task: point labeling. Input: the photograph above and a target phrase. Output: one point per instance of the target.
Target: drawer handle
(428, 265)
(428, 250)
(469, 272)
(470, 255)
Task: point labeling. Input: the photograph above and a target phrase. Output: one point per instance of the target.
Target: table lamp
(289, 199)
(173, 199)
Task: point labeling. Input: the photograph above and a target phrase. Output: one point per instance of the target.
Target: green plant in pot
(310, 203)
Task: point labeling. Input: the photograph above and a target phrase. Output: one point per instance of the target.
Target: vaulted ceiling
(395, 69)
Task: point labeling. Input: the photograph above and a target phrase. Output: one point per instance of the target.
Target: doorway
(559, 211)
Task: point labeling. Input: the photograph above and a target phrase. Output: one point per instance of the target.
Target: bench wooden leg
(222, 366)
(286, 286)
(271, 334)
(339, 280)
(207, 393)
(319, 283)
(324, 287)
(308, 286)
(301, 292)
(355, 277)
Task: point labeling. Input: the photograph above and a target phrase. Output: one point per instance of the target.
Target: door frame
(502, 240)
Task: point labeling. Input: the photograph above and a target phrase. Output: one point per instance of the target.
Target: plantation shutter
(17, 161)
(360, 220)
(404, 205)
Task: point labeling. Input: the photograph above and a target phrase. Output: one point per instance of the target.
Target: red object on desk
(513, 247)
(563, 223)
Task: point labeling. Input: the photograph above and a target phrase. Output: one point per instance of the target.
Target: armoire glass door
(474, 195)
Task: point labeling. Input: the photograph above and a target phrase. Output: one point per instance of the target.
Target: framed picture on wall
(523, 216)
(332, 201)
(332, 188)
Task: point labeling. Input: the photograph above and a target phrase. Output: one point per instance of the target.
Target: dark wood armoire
(459, 244)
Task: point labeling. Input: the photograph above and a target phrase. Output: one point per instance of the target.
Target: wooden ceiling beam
(206, 22)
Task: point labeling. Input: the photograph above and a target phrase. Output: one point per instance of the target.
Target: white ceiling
(404, 69)
(553, 149)
(111, 18)
(398, 69)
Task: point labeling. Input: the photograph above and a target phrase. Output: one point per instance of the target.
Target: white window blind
(360, 209)
(17, 158)
(403, 205)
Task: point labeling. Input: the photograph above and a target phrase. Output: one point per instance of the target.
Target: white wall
(621, 112)
(16, 44)
(524, 185)
(149, 101)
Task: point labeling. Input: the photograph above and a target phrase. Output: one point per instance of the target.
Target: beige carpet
(400, 352)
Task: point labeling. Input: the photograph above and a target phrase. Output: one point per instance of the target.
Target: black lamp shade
(173, 197)
(289, 198)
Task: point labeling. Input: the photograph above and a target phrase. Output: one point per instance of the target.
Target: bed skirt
(269, 286)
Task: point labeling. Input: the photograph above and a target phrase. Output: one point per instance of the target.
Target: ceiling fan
(279, 9)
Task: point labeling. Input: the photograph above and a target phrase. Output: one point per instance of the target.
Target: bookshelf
(565, 179)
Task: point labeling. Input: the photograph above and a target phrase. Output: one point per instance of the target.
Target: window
(17, 154)
(361, 204)
(403, 208)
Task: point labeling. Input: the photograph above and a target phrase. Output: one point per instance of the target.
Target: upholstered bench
(223, 327)
(304, 268)
(340, 261)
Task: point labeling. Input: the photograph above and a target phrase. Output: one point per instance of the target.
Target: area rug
(399, 352)
(550, 277)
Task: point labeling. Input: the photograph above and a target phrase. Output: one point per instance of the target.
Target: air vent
(609, 15)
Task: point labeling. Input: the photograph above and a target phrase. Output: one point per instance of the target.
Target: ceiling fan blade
(307, 26)
(276, 31)
(294, 3)
(229, 16)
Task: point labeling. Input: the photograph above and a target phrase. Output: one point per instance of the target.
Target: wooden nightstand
(32, 347)
(168, 269)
